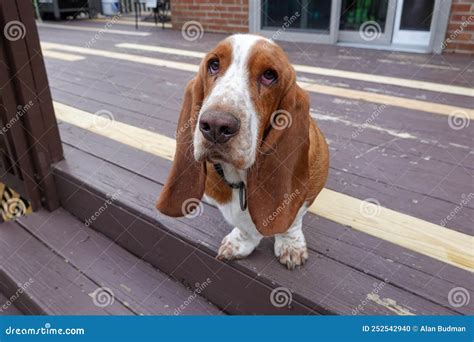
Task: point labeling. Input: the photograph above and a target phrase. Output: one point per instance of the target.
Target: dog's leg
(290, 247)
(238, 244)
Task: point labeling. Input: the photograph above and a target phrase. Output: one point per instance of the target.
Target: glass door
(413, 22)
(366, 21)
(295, 20)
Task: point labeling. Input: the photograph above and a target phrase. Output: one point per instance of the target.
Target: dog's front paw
(236, 245)
(291, 254)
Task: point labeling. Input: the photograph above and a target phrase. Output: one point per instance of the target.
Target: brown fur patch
(216, 188)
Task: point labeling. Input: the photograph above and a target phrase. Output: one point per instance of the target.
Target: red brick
(460, 7)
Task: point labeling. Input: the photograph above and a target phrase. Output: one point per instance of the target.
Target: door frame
(400, 36)
(385, 38)
(255, 8)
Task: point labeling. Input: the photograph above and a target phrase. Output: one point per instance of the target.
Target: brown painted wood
(421, 268)
(18, 145)
(348, 174)
(133, 281)
(21, 57)
(313, 285)
(56, 287)
(40, 80)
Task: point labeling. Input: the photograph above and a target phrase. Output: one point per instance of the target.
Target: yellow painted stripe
(93, 29)
(160, 49)
(359, 76)
(63, 56)
(425, 106)
(122, 56)
(427, 238)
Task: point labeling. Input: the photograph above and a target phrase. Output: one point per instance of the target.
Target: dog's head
(244, 108)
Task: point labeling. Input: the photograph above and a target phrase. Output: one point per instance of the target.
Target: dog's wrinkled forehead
(232, 88)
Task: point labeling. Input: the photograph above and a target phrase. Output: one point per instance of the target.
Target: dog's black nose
(218, 127)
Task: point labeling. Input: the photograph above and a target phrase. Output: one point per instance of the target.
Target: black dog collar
(240, 186)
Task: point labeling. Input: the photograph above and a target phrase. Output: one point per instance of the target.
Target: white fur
(232, 90)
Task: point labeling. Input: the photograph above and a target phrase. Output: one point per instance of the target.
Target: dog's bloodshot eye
(268, 77)
(213, 66)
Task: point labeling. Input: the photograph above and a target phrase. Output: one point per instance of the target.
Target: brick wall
(460, 32)
(214, 15)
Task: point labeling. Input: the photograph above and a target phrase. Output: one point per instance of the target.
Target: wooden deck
(386, 118)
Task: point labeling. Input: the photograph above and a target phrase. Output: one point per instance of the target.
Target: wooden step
(186, 249)
(132, 281)
(42, 281)
(51, 263)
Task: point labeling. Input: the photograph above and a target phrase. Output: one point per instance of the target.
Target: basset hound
(246, 142)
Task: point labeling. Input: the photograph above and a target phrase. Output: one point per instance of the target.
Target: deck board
(209, 228)
(402, 161)
(133, 281)
(7, 308)
(54, 286)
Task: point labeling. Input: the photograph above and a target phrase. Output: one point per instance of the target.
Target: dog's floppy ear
(186, 181)
(277, 182)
